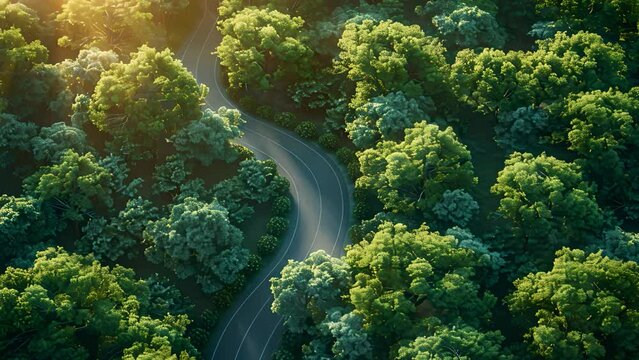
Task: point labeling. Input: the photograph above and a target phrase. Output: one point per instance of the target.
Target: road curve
(319, 219)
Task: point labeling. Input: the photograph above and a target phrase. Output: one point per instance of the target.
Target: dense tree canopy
(494, 80)
(119, 25)
(586, 307)
(387, 56)
(604, 131)
(547, 204)
(75, 185)
(146, 100)
(261, 47)
(470, 27)
(69, 306)
(412, 175)
(198, 240)
(208, 138)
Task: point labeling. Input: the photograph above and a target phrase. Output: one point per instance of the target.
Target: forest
(491, 146)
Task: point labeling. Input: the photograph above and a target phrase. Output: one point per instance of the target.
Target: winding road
(320, 215)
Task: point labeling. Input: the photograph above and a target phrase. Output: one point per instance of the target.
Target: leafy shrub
(306, 130)
(267, 244)
(286, 120)
(277, 226)
(281, 206)
(328, 140)
(248, 103)
(265, 112)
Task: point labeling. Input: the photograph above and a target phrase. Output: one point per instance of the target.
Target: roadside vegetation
(492, 145)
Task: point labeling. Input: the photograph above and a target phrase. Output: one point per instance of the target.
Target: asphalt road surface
(319, 219)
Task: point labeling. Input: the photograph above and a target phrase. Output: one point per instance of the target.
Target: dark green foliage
(69, 306)
(286, 120)
(328, 140)
(281, 206)
(197, 240)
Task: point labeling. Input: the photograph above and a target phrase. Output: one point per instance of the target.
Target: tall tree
(388, 56)
(74, 185)
(198, 240)
(146, 100)
(548, 204)
(412, 175)
(261, 47)
(586, 307)
(69, 306)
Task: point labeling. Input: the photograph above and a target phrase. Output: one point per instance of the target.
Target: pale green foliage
(494, 80)
(147, 100)
(305, 9)
(170, 174)
(547, 204)
(490, 262)
(197, 240)
(54, 304)
(586, 307)
(470, 27)
(619, 244)
(56, 139)
(387, 56)
(436, 7)
(306, 290)
(386, 117)
(75, 184)
(521, 129)
(456, 207)
(111, 239)
(455, 343)
(208, 138)
(261, 47)
(412, 175)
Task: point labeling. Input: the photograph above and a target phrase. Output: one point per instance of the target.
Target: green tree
(586, 307)
(119, 25)
(387, 56)
(604, 132)
(208, 138)
(548, 204)
(20, 16)
(615, 19)
(470, 27)
(74, 185)
(412, 175)
(16, 134)
(402, 276)
(68, 306)
(110, 239)
(146, 100)
(386, 117)
(494, 80)
(456, 207)
(261, 47)
(305, 9)
(23, 222)
(55, 140)
(83, 73)
(342, 337)
(455, 343)
(306, 290)
(197, 240)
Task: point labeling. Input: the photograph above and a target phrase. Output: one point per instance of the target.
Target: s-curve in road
(319, 218)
